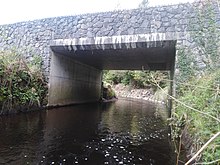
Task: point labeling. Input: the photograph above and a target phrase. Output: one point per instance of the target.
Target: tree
(143, 4)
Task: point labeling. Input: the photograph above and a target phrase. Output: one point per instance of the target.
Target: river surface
(124, 132)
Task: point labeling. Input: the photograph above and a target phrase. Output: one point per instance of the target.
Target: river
(124, 132)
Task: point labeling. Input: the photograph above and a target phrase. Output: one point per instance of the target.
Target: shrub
(202, 119)
(137, 79)
(22, 83)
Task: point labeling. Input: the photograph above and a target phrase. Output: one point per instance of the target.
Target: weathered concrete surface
(127, 52)
(72, 82)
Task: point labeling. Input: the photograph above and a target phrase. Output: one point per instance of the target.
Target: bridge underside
(160, 56)
(77, 64)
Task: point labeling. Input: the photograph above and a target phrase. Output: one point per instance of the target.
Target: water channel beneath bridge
(123, 132)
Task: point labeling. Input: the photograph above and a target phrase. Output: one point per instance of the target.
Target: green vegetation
(196, 114)
(185, 64)
(202, 118)
(137, 79)
(22, 83)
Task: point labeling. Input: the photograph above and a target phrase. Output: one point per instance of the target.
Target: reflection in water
(124, 132)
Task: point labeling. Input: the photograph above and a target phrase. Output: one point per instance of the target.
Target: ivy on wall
(185, 64)
(203, 51)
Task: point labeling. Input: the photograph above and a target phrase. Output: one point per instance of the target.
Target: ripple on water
(125, 132)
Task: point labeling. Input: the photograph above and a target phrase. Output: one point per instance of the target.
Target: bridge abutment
(72, 82)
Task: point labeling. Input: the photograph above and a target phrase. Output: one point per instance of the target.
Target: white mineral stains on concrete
(130, 41)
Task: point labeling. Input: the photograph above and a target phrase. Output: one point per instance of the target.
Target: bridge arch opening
(76, 64)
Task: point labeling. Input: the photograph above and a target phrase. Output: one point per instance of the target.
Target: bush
(202, 94)
(136, 79)
(22, 83)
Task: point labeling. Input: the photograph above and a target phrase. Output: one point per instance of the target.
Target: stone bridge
(75, 49)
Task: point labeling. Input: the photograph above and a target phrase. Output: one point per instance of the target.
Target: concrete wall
(72, 82)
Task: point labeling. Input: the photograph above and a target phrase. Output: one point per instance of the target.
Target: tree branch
(203, 147)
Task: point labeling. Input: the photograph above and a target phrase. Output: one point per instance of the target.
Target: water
(124, 132)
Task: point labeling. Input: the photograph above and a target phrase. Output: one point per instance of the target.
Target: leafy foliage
(22, 83)
(198, 85)
(136, 79)
(185, 64)
(202, 94)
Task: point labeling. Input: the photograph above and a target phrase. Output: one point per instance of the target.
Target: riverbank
(144, 94)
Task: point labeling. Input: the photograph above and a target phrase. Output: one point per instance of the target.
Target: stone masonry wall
(34, 37)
